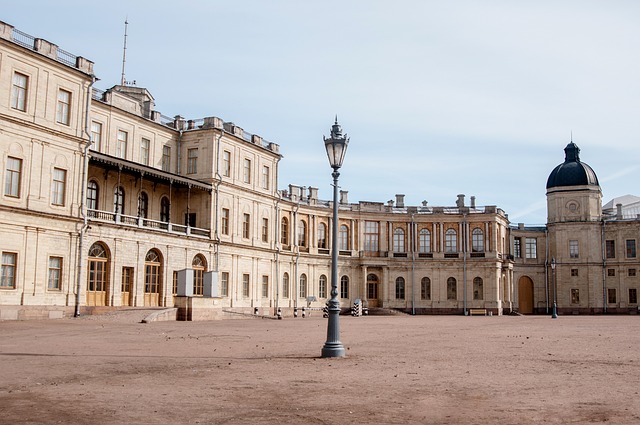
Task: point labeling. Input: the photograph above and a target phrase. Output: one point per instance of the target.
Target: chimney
(313, 195)
(473, 202)
(460, 201)
(619, 211)
(400, 201)
(294, 192)
(521, 226)
(179, 122)
(390, 202)
(343, 197)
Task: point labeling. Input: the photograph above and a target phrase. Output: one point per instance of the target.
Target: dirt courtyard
(112, 369)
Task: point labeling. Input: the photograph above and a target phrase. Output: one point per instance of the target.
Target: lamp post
(554, 314)
(336, 147)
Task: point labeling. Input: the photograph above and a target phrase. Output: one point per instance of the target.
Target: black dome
(572, 172)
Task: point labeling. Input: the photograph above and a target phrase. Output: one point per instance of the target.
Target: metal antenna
(124, 52)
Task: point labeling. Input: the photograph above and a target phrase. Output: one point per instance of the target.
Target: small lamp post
(554, 314)
(336, 147)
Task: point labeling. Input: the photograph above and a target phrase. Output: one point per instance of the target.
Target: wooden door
(525, 295)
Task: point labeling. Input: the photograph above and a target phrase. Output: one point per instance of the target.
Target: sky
(439, 98)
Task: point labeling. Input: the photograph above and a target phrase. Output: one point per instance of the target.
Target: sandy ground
(399, 369)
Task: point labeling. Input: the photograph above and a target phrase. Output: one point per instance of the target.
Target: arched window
(199, 265)
(450, 241)
(302, 233)
(477, 240)
(425, 241)
(400, 288)
(284, 231)
(398, 240)
(452, 289)
(97, 275)
(322, 286)
(152, 278)
(425, 288)
(478, 290)
(285, 285)
(143, 205)
(343, 238)
(303, 286)
(164, 209)
(118, 200)
(92, 195)
(344, 287)
(322, 235)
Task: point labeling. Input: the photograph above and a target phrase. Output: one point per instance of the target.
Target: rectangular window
(611, 272)
(575, 296)
(192, 161)
(96, 136)
(63, 108)
(265, 177)
(55, 271)
(574, 272)
(226, 163)
(121, 146)
(517, 249)
(58, 186)
(174, 290)
(611, 295)
(322, 235)
(166, 158)
(144, 151)
(8, 273)
(246, 221)
(610, 248)
(247, 171)
(631, 248)
(632, 272)
(265, 286)
(245, 285)
(225, 221)
(265, 230)
(531, 248)
(12, 177)
(224, 284)
(573, 249)
(371, 236)
(19, 91)
(633, 296)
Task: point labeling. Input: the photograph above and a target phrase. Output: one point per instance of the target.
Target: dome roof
(572, 172)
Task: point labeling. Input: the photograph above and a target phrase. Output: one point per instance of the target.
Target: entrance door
(373, 290)
(525, 295)
(152, 279)
(97, 279)
(127, 286)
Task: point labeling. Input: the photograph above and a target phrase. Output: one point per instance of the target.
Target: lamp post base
(554, 315)
(333, 349)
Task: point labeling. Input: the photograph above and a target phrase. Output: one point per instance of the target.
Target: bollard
(255, 310)
(295, 311)
(304, 312)
(279, 313)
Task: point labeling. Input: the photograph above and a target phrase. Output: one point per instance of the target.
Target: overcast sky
(439, 98)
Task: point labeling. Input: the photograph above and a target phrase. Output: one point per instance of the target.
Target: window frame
(225, 221)
(574, 248)
(630, 248)
(452, 289)
(166, 158)
(246, 171)
(344, 287)
(192, 161)
(19, 93)
(477, 240)
(13, 177)
(424, 241)
(265, 177)
(371, 236)
(246, 285)
(400, 288)
(246, 226)
(122, 144)
(450, 241)
(343, 238)
(96, 136)
(531, 248)
(8, 270)
(63, 107)
(610, 248)
(145, 150)
(399, 240)
(58, 187)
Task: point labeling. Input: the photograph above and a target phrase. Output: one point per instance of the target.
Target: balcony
(147, 224)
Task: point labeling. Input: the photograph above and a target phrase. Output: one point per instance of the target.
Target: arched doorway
(98, 276)
(152, 279)
(199, 265)
(373, 290)
(525, 295)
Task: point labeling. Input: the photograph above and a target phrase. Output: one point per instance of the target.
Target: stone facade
(105, 201)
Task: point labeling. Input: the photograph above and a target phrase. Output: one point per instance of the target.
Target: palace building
(108, 203)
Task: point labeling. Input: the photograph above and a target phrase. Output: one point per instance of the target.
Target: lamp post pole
(554, 315)
(336, 147)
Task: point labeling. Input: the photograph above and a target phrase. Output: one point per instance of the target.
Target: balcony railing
(145, 223)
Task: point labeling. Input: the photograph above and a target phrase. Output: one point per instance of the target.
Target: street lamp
(554, 315)
(336, 147)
